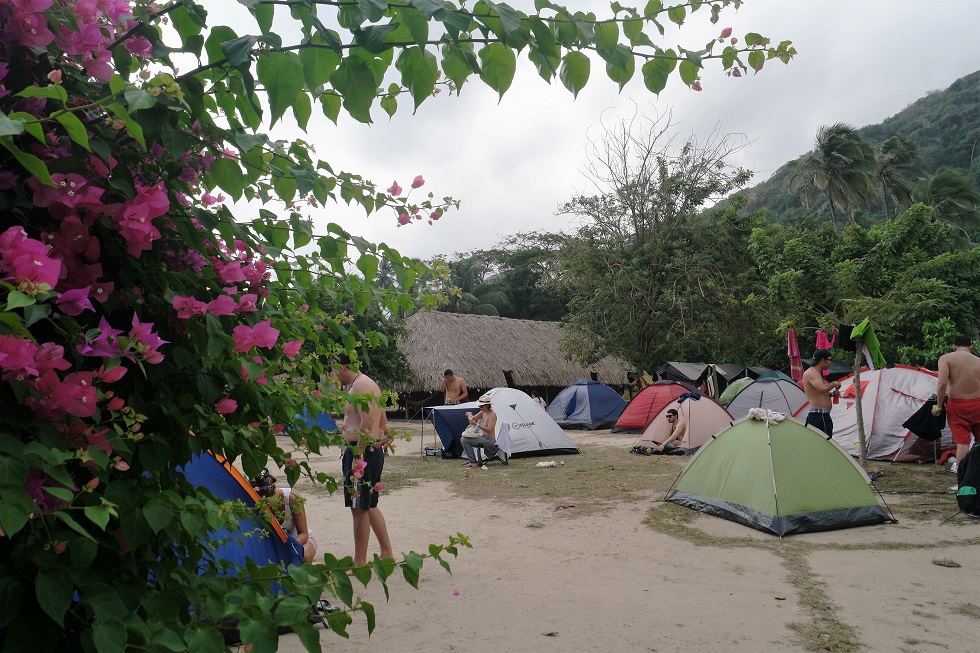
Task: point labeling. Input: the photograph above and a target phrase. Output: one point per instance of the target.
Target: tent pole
(862, 439)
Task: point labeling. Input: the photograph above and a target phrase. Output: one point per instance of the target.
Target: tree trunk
(862, 439)
(884, 198)
(833, 211)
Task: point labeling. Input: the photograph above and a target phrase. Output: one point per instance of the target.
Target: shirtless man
(366, 434)
(818, 391)
(454, 388)
(678, 427)
(959, 381)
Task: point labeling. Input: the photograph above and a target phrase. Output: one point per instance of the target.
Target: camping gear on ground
(777, 394)
(586, 404)
(323, 420)
(781, 478)
(968, 480)
(647, 403)
(530, 431)
(704, 417)
(888, 396)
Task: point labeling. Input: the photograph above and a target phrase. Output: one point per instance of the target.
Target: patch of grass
(968, 610)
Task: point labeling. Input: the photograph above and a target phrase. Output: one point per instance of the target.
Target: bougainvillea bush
(142, 323)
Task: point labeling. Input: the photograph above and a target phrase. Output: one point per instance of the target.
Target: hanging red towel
(793, 351)
(823, 342)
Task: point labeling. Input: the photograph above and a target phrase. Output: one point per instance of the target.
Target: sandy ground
(540, 579)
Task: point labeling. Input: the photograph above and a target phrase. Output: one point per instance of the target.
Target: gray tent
(772, 393)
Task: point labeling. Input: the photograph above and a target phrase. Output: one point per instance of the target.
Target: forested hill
(944, 125)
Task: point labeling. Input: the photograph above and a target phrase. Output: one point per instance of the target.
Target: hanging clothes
(865, 332)
(823, 342)
(793, 351)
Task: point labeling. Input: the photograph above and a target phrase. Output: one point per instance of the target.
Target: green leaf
(51, 92)
(239, 51)
(13, 471)
(420, 72)
(656, 72)
(606, 36)
(757, 60)
(368, 265)
(285, 187)
(302, 110)
(292, 610)
(620, 65)
(330, 104)
(99, 515)
(70, 522)
(36, 313)
(264, 16)
(10, 127)
(158, 513)
(458, 63)
(510, 20)
(318, 63)
(31, 125)
(428, 7)
(54, 590)
(219, 34)
(498, 63)
(132, 127)
(373, 10)
(355, 81)
(689, 72)
(677, 14)
(31, 163)
(574, 73)
(75, 128)
(389, 104)
(11, 600)
(227, 174)
(653, 9)
(282, 75)
(108, 636)
(138, 99)
(17, 299)
(416, 23)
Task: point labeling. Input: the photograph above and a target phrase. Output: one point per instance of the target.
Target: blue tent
(323, 420)
(260, 538)
(586, 404)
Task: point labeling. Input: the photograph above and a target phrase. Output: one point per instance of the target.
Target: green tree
(897, 162)
(646, 273)
(954, 201)
(141, 323)
(841, 167)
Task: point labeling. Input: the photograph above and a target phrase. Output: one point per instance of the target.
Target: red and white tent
(889, 396)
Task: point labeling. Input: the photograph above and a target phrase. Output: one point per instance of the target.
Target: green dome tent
(780, 478)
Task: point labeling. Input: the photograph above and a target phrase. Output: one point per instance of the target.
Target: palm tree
(841, 167)
(897, 161)
(954, 201)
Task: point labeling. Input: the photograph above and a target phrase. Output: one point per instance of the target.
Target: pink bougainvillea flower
(290, 463)
(357, 470)
(106, 344)
(404, 218)
(418, 182)
(26, 261)
(75, 395)
(116, 403)
(226, 406)
(147, 342)
(696, 86)
(73, 302)
(111, 375)
(18, 355)
(395, 189)
(725, 33)
(435, 215)
(261, 335)
(291, 348)
(50, 356)
(188, 307)
(222, 305)
(278, 428)
(455, 592)
(248, 303)
(120, 464)
(54, 76)
(378, 487)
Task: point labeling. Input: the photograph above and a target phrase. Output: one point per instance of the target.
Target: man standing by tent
(959, 381)
(454, 388)
(363, 462)
(818, 391)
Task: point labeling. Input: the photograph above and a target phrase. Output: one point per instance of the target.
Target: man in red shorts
(959, 380)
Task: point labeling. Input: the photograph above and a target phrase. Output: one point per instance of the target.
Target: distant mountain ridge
(944, 125)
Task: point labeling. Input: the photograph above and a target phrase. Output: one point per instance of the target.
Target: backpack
(968, 479)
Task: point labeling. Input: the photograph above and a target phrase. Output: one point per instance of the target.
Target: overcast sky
(511, 163)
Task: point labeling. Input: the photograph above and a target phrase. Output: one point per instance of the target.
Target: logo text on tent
(521, 425)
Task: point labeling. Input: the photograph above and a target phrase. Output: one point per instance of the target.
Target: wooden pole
(862, 439)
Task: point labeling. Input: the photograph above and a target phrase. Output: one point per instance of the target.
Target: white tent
(889, 396)
(532, 432)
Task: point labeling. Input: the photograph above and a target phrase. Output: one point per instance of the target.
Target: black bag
(924, 424)
(968, 478)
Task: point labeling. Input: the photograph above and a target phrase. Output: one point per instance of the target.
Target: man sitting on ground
(678, 427)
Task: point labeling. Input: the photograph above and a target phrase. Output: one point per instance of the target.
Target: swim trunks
(964, 419)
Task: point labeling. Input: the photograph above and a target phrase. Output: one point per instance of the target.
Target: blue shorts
(821, 419)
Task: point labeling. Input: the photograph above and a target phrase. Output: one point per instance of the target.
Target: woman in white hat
(480, 432)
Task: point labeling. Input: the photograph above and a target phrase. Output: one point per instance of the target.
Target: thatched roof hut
(486, 350)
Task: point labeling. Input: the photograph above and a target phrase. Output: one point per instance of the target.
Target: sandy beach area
(550, 573)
